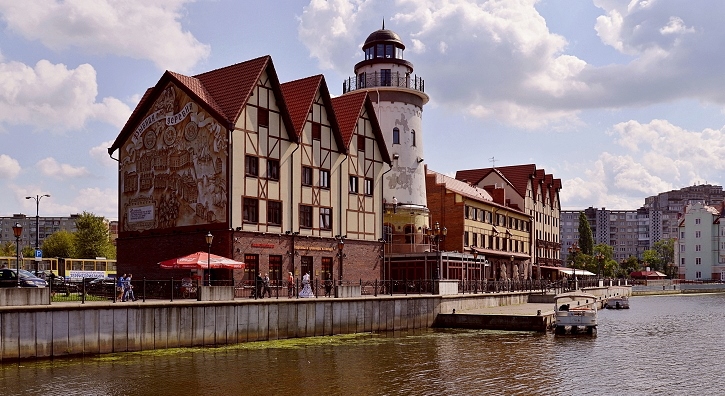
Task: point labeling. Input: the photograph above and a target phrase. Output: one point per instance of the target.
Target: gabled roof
(517, 175)
(348, 109)
(468, 190)
(222, 92)
(300, 95)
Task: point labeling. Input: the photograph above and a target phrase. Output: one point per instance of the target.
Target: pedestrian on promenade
(258, 283)
(128, 289)
(120, 286)
(267, 289)
(290, 285)
(328, 285)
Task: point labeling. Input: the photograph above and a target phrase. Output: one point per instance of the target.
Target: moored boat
(574, 311)
(617, 302)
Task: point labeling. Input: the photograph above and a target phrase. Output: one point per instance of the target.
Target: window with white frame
(698, 260)
(697, 234)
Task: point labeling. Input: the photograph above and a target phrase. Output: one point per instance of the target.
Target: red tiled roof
(299, 96)
(195, 86)
(348, 109)
(232, 85)
(135, 113)
(517, 175)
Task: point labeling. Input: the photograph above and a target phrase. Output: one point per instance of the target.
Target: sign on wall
(173, 167)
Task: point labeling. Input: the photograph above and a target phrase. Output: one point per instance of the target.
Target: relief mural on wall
(173, 167)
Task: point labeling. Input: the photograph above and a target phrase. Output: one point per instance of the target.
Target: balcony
(378, 79)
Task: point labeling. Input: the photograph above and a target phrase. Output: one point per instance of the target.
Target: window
(697, 221)
(697, 248)
(361, 142)
(326, 218)
(251, 262)
(465, 238)
(389, 51)
(305, 216)
(353, 185)
(682, 261)
(396, 136)
(326, 268)
(368, 186)
(306, 176)
(262, 117)
(275, 267)
(380, 50)
(385, 77)
(250, 212)
(316, 131)
(251, 167)
(272, 169)
(698, 260)
(325, 178)
(475, 240)
(361, 76)
(412, 136)
(274, 212)
(697, 234)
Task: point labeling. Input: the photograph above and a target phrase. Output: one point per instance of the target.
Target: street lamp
(573, 251)
(340, 254)
(37, 199)
(209, 239)
(438, 234)
(17, 231)
(599, 256)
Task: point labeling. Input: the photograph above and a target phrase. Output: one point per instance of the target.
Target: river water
(663, 345)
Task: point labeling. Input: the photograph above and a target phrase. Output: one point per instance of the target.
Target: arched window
(412, 135)
(396, 136)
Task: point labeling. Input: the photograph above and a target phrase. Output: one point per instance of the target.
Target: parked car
(8, 278)
(101, 287)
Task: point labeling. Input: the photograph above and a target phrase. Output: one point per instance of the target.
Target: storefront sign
(315, 248)
(263, 245)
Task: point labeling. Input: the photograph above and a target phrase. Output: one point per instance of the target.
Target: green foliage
(665, 248)
(628, 266)
(652, 259)
(27, 251)
(7, 249)
(586, 241)
(59, 244)
(92, 238)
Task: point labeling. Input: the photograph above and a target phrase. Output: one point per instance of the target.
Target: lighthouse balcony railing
(378, 79)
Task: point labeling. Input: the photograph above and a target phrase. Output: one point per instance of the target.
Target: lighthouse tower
(398, 95)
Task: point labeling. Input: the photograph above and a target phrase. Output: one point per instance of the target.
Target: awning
(568, 271)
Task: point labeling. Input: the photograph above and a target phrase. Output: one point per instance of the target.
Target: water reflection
(662, 345)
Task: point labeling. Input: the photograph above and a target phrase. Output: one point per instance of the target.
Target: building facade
(279, 174)
(537, 194)
(624, 230)
(47, 225)
(701, 243)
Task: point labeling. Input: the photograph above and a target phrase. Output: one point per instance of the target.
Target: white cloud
(139, 29)
(660, 157)
(495, 59)
(53, 97)
(51, 168)
(9, 167)
(100, 154)
(102, 202)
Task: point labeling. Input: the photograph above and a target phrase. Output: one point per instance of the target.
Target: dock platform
(520, 317)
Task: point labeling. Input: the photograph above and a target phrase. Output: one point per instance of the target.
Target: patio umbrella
(199, 260)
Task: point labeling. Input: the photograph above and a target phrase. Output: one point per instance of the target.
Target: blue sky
(619, 99)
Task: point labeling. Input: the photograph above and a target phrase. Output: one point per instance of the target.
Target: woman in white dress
(306, 291)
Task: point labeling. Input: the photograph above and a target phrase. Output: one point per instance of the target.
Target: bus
(65, 267)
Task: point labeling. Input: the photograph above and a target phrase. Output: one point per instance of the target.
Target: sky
(619, 99)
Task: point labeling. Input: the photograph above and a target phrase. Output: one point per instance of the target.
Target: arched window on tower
(396, 136)
(412, 135)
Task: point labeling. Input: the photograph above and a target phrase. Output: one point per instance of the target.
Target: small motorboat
(617, 302)
(574, 311)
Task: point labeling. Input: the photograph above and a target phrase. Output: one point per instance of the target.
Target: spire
(383, 23)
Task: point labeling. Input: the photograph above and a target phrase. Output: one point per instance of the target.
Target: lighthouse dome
(383, 36)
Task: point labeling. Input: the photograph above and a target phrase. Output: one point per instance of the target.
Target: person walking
(128, 289)
(258, 284)
(267, 289)
(120, 287)
(328, 285)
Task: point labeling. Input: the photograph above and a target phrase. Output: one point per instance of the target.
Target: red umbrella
(198, 260)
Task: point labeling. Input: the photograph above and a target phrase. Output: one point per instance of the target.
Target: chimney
(498, 194)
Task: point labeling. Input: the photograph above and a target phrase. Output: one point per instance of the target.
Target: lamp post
(37, 199)
(340, 255)
(209, 239)
(599, 256)
(573, 251)
(17, 231)
(438, 235)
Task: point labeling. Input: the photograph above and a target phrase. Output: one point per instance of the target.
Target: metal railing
(378, 79)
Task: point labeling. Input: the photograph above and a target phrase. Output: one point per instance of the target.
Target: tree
(92, 238)
(628, 266)
(59, 244)
(586, 241)
(666, 250)
(652, 259)
(7, 249)
(609, 264)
